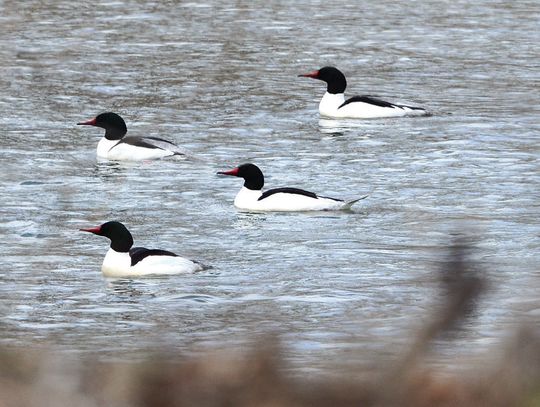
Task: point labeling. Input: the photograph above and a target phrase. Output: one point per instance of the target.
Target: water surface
(221, 80)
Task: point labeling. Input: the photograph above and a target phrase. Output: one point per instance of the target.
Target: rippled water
(221, 80)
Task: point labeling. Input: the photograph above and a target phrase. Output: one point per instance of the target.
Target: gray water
(221, 80)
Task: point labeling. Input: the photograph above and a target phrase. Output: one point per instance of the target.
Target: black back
(368, 99)
(297, 191)
(377, 102)
(139, 253)
(333, 199)
(143, 142)
(287, 190)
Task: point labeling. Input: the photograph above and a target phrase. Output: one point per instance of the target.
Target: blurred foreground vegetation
(259, 376)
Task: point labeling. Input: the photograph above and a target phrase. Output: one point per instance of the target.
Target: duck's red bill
(97, 229)
(314, 74)
(234, 172)
(89, 122)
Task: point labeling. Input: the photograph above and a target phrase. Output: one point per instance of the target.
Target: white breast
(247, 198)
(116, 264)
(329, 104)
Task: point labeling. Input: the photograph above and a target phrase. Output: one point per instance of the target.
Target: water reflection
(127, 290)
(333, 126)
(106, 169)
(249, 220)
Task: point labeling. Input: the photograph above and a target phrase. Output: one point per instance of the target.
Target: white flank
(111, 150)
(247, 199)
(328, 107)
(117, 264)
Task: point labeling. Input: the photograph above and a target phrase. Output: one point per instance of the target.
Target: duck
(334, 105)
(287, 199)
(115, 145)
(124, 260)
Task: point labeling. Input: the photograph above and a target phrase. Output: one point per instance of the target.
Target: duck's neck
(115, 133)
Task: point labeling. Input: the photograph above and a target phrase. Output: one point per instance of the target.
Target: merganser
(252, 198)
(334, 105)
(123, 260)
(114, 146)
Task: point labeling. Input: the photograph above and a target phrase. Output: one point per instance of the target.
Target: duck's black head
(114, 125)
(332, 76)
(253, 176)
(121, 239)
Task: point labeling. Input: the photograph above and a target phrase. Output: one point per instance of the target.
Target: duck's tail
(348, 204)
